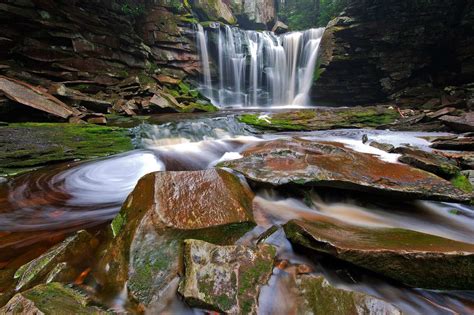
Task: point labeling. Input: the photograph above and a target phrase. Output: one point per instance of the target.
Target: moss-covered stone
(323, 118)
(50, 299)
(76, 250)
(320, 297)
(414, 258)
(26, 146)
(225, 278)
(462, 182)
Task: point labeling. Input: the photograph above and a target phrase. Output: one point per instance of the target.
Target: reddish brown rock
(31, 96)
(331, 164)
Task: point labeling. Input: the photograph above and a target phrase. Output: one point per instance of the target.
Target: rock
(469, 174)
(226, 279)
(413, 258)
(166, 79)
(80, 98)
(441, 112)
(280, 28)
(31, 96)
(49, 299)
(97, 120)
(359, 63)
(164, 209)
(365, 138)
(330, 164)
(458, 144)
(323, 118)
(430, 162)
(214, 11)
(75, 250)
(382, 146)
(464, 123)
(320, 297)
(166, 101)
(254, 14)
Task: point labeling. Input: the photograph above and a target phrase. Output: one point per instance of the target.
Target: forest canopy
(304, 14)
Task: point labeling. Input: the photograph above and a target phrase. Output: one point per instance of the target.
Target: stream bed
(38, 209)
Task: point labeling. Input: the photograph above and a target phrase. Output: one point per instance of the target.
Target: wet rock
(76, 250)
(324, 118)
(164, 209)
(225, 278)
(320, 297)
(387, 147)
(413, 258)
(36, 98)
(330, 164)
(430, 162)
(464, 123)
(441, 112)
(458, 144)
(62, 272)
(469, 174)
(49, 299)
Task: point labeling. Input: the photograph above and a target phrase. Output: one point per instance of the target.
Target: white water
(257, 69)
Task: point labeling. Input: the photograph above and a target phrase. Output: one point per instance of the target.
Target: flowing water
(39, 208)
(257, 69)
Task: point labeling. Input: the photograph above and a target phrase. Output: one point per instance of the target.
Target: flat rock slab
(330, 164)
(430, 162)
(323, 118)
(164, 209)
(464, 123)
(458, 144)
(31, 96)
(49, 299)
(413, 258)
(320, 297)
(225, 278)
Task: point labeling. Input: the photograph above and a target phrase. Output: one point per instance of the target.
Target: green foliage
(131, 8)
(304, 14)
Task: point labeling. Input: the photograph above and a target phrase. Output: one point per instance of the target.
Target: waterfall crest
(257, 69)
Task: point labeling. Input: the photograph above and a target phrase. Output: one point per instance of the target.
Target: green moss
(117, 224)
(462, 182)
(277, 124)
(24, 146)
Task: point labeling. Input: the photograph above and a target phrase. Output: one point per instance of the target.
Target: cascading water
(258, 68)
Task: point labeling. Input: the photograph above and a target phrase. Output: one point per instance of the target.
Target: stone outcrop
(408, 51)
(413, 258)
(95, 56)
(331, 164)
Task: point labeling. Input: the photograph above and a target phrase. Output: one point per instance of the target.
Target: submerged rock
(330, 164)
(413, 258)
(53, 298)
(76, 250)
(225, 278)
(164, 209)
(320, 297)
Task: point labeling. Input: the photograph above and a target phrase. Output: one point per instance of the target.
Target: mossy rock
(226, 279)
(25, 146)
(410, 257)
(51, 299)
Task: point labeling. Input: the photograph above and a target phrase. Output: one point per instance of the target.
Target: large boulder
(216, 10)
(164, 209)
(254, 14)
(226, 279)
(413, 258)
(331, 164)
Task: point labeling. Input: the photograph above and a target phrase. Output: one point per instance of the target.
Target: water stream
(38, 207)
(257, 69)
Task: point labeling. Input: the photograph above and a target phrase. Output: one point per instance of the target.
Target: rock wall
(96, 47)
(407, 51)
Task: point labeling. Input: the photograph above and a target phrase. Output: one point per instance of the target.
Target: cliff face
(408, 51)
(94, 46)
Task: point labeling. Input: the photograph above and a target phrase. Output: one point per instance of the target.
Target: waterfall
(258, 68)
